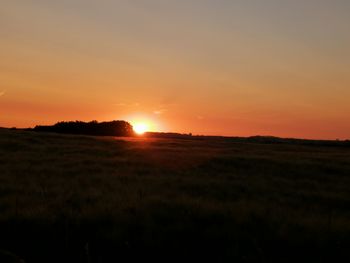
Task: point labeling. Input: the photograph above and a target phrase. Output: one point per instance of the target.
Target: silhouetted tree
(112, 128)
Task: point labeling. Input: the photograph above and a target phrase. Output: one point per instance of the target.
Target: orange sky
(208, 67)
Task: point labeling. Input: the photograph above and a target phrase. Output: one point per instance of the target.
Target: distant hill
(123, 128)
(112, 128)
(251, 139)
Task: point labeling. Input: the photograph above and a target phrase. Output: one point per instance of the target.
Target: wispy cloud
(2, 93)
(166, 105)
(135, 104)
(119, 104)
(159, 112)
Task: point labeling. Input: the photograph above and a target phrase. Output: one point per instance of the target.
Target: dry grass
(85, 199)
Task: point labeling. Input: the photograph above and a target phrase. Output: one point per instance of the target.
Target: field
(66, 198)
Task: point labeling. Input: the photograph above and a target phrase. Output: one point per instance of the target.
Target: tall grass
(84, 199)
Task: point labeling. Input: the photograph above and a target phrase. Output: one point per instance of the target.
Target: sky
(214, 67)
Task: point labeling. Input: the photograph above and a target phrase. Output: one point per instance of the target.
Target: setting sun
(140, 128)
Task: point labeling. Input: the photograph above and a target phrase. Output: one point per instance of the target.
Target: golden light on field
(140, 127)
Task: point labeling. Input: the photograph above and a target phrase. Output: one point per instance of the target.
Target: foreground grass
(85, 199)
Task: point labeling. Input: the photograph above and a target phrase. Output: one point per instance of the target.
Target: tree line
(112, 128)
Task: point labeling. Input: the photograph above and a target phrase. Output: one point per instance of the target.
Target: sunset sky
(216, 67)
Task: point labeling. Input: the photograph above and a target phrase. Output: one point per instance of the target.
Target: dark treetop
(112, 128)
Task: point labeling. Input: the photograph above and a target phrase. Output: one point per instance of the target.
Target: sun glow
(143, 123)
(140, 128)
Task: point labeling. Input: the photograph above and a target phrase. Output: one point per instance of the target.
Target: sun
(140, 128)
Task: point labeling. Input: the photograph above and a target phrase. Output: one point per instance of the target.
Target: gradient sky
(224, 67)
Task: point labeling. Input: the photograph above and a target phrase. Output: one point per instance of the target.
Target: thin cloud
(119, 104)
(159, 112)
(136, 104)
(2, 93)
(168, 105)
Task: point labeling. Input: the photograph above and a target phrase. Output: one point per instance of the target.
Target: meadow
(66, 198)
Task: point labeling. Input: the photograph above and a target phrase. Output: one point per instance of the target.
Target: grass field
(67, 198)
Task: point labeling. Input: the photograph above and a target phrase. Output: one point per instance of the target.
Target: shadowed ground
(70, 198)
